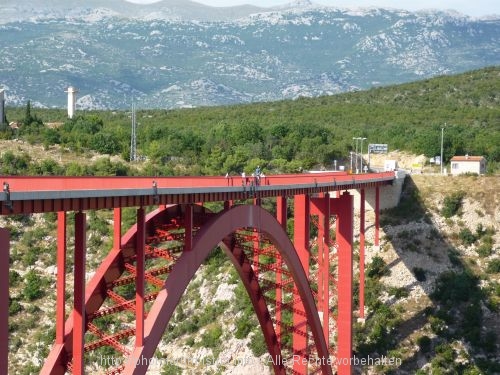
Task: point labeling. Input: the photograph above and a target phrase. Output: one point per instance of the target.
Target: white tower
(2, 107)
(71, 101)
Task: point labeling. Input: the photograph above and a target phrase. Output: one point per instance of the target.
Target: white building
(468, 164)
(71, 101)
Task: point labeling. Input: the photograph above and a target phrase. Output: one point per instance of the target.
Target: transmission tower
(133, 138)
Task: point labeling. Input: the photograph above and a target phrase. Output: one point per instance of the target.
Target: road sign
(377, 148)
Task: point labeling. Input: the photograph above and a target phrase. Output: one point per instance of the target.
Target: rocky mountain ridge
(176, 54)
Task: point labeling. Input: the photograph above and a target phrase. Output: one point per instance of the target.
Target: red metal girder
(289, 306)
(269, 285)
(362, 254)
(281, 217)
(154, 252)
(110, 269)
(117, 227)
(269, 251)
(160, 270)
(110, 340)
(151, 272)
(116, 297)
(127, 305)
(113, 188)
(293, 329)
(301, 244)
(207, 238)
(147, 275)
(61, 277)
(377, 216)
(269, 267)
(345, 283)
(79, 323)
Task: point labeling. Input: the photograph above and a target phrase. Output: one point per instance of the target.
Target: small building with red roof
(467, 164)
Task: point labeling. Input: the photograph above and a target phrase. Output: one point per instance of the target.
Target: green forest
(282, 137)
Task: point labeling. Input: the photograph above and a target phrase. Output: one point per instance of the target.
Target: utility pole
(133, 137)
(355, 139)
(362, 139)
(442, 138)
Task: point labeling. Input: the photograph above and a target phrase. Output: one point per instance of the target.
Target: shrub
(424, 343)
(437, 325)
(398, 292)
(452, 287)
(419, 274)
(467, 237)
(210, 339)
(14, 278)
(258, 344)
(32, 289)
(14, 307)
(484, 250)
(243, 328)
(171, 369)
(494, 266)
(377, 268)
(452, 204)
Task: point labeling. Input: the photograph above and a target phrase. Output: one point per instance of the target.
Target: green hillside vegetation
(285, 136)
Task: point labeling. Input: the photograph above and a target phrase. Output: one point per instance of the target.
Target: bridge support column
(256, 245)
(345, 261)
(324, 267)
(301, 244)
(281, 216)
(79, 294)
(362, 254)
(117, 227)
(377, 216)
(4, 300)
(139, 278)
(321, 207)
(61, 277)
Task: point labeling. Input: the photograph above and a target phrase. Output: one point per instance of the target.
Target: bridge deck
(49, 194)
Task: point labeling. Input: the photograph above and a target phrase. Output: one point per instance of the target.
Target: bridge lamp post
(351, 159)
(442, 138)
(361, 160)
(356, 139)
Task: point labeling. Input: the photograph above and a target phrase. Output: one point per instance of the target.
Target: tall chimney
(71, 100)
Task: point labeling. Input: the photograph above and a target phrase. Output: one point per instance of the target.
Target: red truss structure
(300, 287)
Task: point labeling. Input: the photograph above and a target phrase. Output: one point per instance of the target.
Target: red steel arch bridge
(301, 288)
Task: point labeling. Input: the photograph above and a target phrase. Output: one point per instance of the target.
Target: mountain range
(176, 53)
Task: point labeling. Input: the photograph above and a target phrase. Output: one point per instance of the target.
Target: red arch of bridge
(208, 237)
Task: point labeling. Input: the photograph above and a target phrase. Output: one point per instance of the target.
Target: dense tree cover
(13, 164)
(289, 136)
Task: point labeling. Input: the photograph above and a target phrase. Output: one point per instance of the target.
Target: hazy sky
(469, 7)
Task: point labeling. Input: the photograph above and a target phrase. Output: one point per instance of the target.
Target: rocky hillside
(437, 273)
